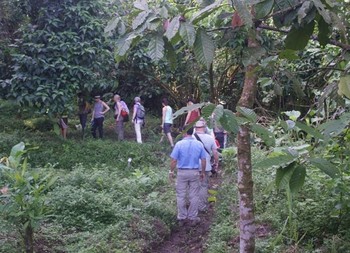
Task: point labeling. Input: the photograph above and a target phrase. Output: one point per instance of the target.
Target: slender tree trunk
(28, 239)
(245, 180)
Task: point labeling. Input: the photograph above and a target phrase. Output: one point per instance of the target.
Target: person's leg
(181, 189)
(194, 187)
(203, 193)
(170, 138)
(100, 126)
(167, 131)
(138, 131)
(120, 129)
(83, 120)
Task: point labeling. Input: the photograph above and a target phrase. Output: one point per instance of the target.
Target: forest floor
(187, 238)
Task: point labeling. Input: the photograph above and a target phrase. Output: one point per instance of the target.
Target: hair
(190, 100)
(165, 101)
(116, 96)
(190, 130)
(137, 99)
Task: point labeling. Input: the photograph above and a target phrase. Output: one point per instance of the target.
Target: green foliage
(23, 203)
(57, 57)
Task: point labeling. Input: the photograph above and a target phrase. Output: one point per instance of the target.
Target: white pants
(137, 125)
(203, 193)
(187, 180)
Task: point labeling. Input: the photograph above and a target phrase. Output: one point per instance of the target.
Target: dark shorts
(167, 128)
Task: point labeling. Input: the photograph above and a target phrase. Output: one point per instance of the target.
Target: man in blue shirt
(189, 157)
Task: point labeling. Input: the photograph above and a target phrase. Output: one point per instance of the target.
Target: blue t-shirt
(188, 153)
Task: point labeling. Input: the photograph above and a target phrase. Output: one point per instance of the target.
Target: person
(100, 109)
(167, 120)
(211, 149)
(83, 111)
(63, 124)
(192, 115)
(138, 122)
(188, 156)
(119, 119)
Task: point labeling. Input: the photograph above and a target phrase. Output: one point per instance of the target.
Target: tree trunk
(245, 180)
(28, 239)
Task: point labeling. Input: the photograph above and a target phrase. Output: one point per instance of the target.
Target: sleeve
(175, 153)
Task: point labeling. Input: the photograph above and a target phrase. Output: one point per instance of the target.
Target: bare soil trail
(187, 238)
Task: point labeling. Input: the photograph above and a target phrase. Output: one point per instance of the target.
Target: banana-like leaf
(229, 121)
(186, 109)
(188, 33)
(205, 12)
(309, 130)
(264, 134)
(325, 166)
(263, 8)
(140, 19)
(172, 28)
(207, 110)
(247, 113)
(204, 48)
(283, 176)
(297, 179)
(156, 48)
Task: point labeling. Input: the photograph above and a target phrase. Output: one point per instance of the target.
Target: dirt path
(188, 239)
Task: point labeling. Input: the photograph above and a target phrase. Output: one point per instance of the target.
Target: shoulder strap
(199, 139)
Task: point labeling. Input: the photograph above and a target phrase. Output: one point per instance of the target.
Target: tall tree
(64, 50)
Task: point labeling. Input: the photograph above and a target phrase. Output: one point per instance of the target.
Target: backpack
(125, 106)
(140, 113)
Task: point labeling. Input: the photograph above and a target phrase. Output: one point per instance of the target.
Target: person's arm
(163, 116)
(216, 156)
(173, 164)
(105, 106)
(134, 110)
(203, 165)
(119, 106)
(93, 113)
(187, 117)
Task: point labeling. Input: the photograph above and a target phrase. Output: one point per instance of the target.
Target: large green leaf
(323, 32)
(335, 127)
(322, 11)
(188, 33)
(309, 130)
(208, 110)
(141, 5)
(283, 176)
(244, 12)
(229, 121)
(247, 113)
(172, 28)
(112, 24)
(344, 86)
(264, 134)
(297, 179)
(156, 48)
(304, 10)
(263, 8)
(204, 48)
(16, 155)
(186, 109)
(123, 44)
(298, 38)
(325, 166)
(140, 19)
(170, 54)
(205, 12)
(280, 160)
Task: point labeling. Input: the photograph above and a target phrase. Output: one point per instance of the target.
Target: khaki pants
(187, 180)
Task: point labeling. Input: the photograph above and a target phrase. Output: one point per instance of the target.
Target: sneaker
(195, 221)
(182, 223)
